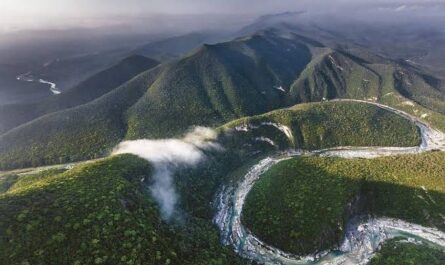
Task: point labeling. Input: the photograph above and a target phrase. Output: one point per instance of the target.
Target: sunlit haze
(54, 14)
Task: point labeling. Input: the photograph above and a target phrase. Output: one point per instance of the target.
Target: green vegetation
(329, 124)
(433, 118)
(314, 126)
(88, 90)
(302, 204)
(210, 87)
(7, 181)
(85, 132)
(99, 213)
(397, 252)
(216, 84)
(298, 208)
(420, 88)
(219, 83)
(336, 74)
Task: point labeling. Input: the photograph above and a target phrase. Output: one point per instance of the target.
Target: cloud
(400, 8)
(166, 155)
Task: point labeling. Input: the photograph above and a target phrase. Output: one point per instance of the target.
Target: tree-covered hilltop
(301, 205)
(324, 125)
(98, 213)
(219, 83)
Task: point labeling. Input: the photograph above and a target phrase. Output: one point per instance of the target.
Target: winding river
(363, 236)
(28, 77)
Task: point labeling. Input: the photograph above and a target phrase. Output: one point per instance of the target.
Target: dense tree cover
(214, 85)
(337, 74)
(302, 204)
(419, 88)
(219, 83)
(63, 137)
(329, 124)
(99, 213)
(399, 252)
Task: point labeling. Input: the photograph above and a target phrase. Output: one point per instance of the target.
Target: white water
(267, 140)
(284, 129)
(280, 88)
(27, 77)
(362, 237)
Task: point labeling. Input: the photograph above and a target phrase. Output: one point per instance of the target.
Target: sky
(23, 14)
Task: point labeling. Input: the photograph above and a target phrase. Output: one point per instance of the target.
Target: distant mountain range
(177, 46)
(214, 84)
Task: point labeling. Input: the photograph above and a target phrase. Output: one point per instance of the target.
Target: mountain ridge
(214, 85)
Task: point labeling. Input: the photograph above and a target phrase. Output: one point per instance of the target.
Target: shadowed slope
(88, 90)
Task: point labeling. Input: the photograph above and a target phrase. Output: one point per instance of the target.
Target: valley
(211, 86)
(27, 78)
(312, 136)
(251, 245)
(232, 200)
(361, 236)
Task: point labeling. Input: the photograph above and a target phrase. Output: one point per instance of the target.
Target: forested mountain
(214, 85)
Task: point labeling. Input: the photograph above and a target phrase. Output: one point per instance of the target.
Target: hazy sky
(19, 14)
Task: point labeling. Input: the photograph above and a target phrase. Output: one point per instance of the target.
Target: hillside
(220, 133)
(336, 74)
(210, 87)
(84, 132)
(282, 205)
(397, 55)
(323, 125)
(99, 213)
(217, 84)
(105, 206)
(88, 90)
(314, 126)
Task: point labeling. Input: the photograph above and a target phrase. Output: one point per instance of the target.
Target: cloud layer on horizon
(43, 13)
